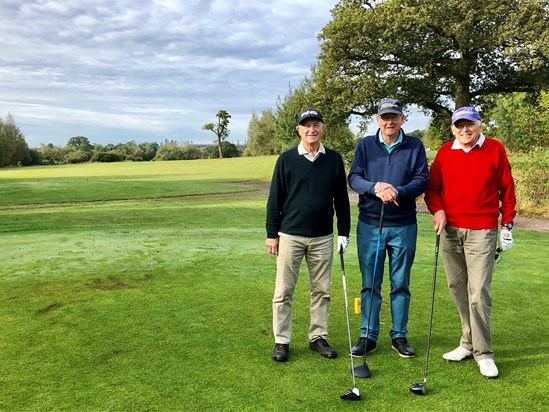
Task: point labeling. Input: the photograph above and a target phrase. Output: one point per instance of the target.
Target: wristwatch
(508, 225)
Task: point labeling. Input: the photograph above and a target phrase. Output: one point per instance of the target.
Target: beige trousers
(318, 253)
(468, 257)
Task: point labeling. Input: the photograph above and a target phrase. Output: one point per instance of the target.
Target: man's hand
(386, 192)
(272, 246)
(342, 242)
(505, 240)
(439, 219)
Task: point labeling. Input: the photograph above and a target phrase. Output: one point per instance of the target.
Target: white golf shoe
(458, 354)
(488, 368)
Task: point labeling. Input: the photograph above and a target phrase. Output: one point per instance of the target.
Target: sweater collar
(303, 152)
(479, 143)
(397, 142)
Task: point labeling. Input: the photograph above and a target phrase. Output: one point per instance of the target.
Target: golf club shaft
(432, 309)
(347, 312)
(374, 276)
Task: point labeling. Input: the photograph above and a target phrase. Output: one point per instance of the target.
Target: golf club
(362, 371)
(421, 388)
(351, 394)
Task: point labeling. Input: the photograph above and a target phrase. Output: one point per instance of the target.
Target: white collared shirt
(457, 146)
(302, 151)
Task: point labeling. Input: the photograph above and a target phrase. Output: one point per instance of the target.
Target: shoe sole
(325, 355)
(360, 356)
(458, 360)
(403, 355)
(280, 358)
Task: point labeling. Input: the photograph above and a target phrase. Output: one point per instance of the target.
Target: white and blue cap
(389, 106)
(466, 113)
(309, 113)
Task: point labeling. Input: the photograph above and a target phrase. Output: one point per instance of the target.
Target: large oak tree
(437, 54)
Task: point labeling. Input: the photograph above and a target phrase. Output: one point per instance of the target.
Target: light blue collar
(394, 145)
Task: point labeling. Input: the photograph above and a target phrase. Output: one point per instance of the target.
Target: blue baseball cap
(467, 113)
(389, 106)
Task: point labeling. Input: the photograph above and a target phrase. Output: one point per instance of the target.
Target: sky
(149, 70)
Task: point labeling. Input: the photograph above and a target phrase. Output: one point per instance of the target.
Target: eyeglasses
(464, 124)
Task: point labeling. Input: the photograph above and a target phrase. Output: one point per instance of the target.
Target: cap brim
(386, 111)
(309, 117)
(465, 117)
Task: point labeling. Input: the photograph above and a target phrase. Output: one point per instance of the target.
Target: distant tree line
(14, 150)
(519, 120)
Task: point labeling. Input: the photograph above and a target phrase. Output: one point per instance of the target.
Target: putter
(421, 388)
(352, 394)
(362, 371)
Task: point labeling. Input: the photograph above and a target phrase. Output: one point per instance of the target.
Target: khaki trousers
(468, 257)
(318, 253)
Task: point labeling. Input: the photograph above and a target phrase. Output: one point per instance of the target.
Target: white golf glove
(505, 240)
(342, 242)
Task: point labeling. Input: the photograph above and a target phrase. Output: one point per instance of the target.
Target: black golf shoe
(402, 347)
(280, 352)
(321, 346)
(363, 345)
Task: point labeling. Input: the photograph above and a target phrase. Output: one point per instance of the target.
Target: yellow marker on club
(357, 306)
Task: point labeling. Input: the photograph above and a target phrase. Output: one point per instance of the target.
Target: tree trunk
(463, 96)
(463, 81)
(219, 147)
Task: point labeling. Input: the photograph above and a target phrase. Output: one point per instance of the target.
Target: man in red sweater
(470, 185)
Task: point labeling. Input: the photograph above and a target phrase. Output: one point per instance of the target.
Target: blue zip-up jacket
(405, 168)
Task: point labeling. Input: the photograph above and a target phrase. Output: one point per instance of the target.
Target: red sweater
(472, 188)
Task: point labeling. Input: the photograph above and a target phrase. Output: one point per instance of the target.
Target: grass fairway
(146, 287)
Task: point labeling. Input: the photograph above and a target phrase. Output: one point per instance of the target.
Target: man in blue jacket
(389, 167)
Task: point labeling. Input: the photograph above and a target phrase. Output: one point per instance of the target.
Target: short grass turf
(165, 304)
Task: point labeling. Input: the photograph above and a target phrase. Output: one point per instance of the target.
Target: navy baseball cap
(309, 113)
(467, 113)
(389, 106)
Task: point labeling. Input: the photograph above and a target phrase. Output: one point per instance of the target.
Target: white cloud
(114, 70)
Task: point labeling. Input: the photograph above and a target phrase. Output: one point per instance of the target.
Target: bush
(190, 152)
(531, 175)
(78, 156)
(107, 157)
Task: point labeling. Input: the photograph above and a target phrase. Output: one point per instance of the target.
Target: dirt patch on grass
(111, 283)
(49, 308)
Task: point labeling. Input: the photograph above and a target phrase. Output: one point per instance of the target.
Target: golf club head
(362, 371)
(351, 395)
(418, 388)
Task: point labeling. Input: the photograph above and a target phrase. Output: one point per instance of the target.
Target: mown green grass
(93, 182)
(165, 304)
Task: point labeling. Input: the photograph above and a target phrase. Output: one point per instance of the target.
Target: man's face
(390, 124)
(466, 132)
(310, 131)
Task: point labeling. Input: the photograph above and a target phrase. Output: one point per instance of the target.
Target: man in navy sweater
(308, 184)
(389, 167)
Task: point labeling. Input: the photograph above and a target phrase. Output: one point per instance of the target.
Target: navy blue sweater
(304, 195)
(405, 168)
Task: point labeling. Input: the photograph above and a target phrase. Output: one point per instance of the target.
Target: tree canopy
(13, 147)
(337, 134)
(439, 54)
(261, 135)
